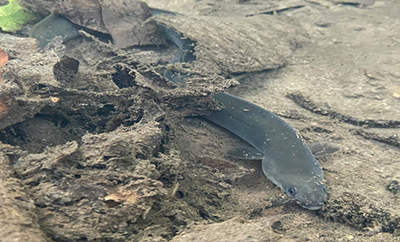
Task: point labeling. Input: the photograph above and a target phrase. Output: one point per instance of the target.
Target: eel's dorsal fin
(318, 149)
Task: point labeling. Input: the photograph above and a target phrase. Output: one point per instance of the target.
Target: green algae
(13, 16)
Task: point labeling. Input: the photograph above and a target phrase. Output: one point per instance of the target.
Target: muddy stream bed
(96, 145)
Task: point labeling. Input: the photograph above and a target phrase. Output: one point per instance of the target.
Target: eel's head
(309, 194)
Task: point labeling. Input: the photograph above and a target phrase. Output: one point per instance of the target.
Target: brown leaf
(121, 197)
(3, 57)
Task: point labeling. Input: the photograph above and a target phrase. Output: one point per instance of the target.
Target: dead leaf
(3, 58)
(121, 197)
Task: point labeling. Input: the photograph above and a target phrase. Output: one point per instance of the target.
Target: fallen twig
(309, 105)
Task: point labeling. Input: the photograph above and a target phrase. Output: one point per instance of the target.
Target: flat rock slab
(225, 8)
(235, 45)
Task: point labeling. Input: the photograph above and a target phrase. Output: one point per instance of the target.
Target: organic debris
(121, 197)
(19, 221)
(126, 21)
(3, 107)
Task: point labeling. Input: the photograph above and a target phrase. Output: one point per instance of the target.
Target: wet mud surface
(99, 146)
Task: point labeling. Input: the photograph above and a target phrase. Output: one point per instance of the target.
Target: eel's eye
(292, 191)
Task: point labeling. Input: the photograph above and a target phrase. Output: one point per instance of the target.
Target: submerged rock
(236, 45)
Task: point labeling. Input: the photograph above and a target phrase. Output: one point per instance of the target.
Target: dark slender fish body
(287, 161)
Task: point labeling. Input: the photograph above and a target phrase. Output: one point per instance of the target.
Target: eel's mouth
(311, 206)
